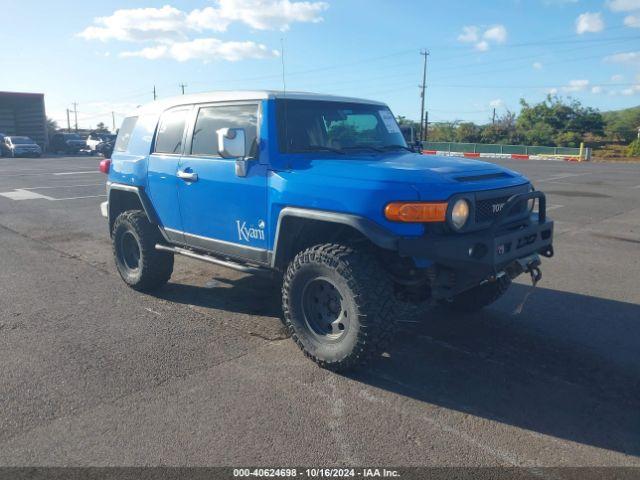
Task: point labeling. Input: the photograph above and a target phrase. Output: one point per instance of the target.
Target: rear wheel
(338, 306)
(140, 265)
(479, 297)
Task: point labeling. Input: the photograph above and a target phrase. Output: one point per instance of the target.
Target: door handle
(188, 176)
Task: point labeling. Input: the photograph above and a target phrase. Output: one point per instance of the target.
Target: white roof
(240, 95)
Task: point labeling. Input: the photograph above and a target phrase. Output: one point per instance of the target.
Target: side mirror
(231, 143)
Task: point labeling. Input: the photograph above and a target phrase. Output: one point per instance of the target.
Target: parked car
(67, 143)
(106, 148)
(323, 194)
(96, 138)
(20, 146)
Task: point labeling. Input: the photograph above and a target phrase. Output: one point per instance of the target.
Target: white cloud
(271, 14)
(596, 90)
(589, 23)
(623, 5)
(497, 103)
(138, 24)
(170, 24)
(170, 31)
(559, 2)
(537, 66)
(629, 91)
(497, 34)
(617, 78)
(484, 37)
(576, 86)
(628, 58)
(553, 91)
(482, 46)
(206, 49)
(632, 21)
(470, 34)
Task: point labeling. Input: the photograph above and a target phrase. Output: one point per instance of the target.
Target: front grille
(488, 209)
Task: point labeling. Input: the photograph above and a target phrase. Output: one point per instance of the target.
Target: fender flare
(142, 196)
(377, 234)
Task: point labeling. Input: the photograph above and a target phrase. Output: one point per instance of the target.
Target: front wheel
(479, 297)
(338, 306)
(140, 265)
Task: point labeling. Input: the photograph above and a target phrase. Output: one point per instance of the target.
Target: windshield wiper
(363, 147)
(397, 147)
(321, 148)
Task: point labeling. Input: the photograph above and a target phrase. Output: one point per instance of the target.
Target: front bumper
(474, 257)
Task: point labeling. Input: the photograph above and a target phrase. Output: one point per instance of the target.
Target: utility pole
(68, 122)
(113, 121)
(426, 126)
(75, 113)
(425, 54)
(183, 86)
(493, 120)
(155, 95)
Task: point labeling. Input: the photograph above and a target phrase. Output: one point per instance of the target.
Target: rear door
(221, 212)
(163, 166)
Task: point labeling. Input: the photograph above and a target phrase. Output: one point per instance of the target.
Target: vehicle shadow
(567, 366)
(250, 295)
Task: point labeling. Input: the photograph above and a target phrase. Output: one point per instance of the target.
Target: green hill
(622, 125)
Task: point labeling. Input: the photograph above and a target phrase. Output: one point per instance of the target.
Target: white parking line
(76, 173)
(76, 198)
(554, 207)
(64, 186)
(21, 194)
(560, 176)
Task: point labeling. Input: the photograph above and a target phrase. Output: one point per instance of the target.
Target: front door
(221, 212)
(163, 165)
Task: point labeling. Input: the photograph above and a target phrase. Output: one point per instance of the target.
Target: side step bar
(216, 261)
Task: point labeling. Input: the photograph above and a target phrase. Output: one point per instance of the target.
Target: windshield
(338, 127)
(22, 141)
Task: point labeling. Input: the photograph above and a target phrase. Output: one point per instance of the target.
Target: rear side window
(124, 134)
(171, 131)
(211, 119)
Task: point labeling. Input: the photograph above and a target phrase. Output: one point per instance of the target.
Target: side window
(124, 134)
(211, 119)
(171, 131)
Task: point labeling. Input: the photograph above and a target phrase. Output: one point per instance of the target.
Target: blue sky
(108, 55)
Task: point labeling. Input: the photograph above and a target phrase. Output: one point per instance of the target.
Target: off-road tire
(154, 268)
(479, 297)
(367, 299)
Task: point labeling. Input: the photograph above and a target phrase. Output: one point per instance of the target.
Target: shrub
(633, 150)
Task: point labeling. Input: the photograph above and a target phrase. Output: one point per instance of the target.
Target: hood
(422, 172)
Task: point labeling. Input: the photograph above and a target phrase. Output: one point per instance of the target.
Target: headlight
(460, 214)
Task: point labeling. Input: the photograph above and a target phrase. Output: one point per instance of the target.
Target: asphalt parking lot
(202, 374)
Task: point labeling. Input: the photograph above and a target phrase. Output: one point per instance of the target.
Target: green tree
(442, 132)
(555, 121)
(101, 127)
(52, 127)
(468, 132)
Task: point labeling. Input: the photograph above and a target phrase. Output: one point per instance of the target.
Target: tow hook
(532, 267)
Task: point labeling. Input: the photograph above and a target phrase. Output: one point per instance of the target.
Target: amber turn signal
(418, 212)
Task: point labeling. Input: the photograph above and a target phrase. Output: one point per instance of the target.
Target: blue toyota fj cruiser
(324, 193)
